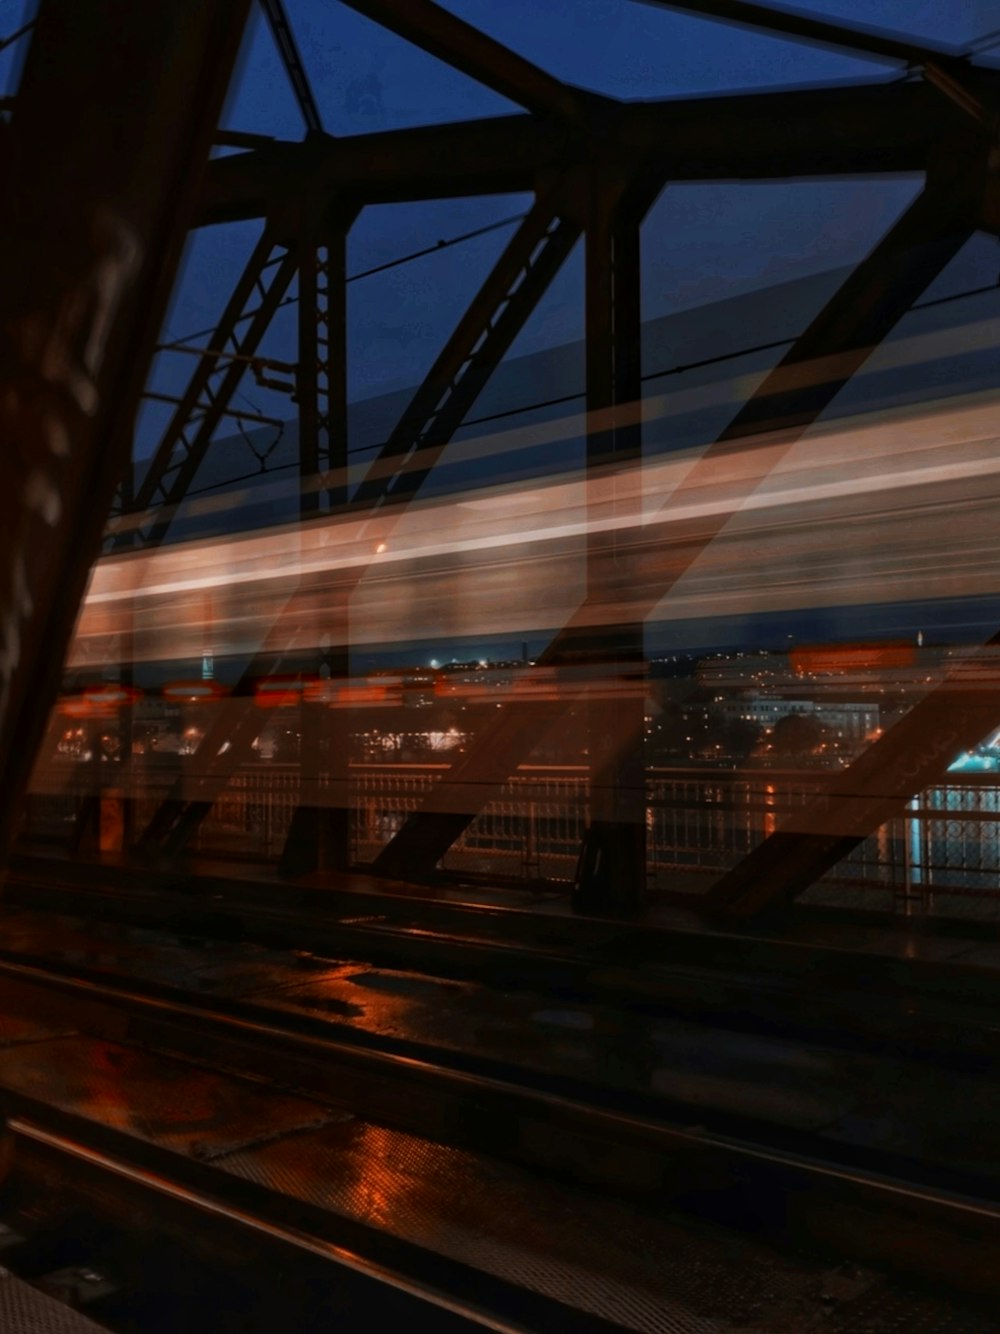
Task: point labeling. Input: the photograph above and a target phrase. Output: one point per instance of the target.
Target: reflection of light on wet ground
(403, 984)
(381, 1187)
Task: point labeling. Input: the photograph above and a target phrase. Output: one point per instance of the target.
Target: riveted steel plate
(656, 1274)
(24, 1310)
(887, 1309)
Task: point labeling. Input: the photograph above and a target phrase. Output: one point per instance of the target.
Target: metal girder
(878, 128)
(852, 324)
(614, 212)
(92, 240)
(944, 69)
(321, 377)
(489, 156)
(611, 872)
(505, 301)
(217, 375)
(318, 836)
(612, 319)
(284, 40)
(915, 753)
(449, 38)
(933, 230)
(530, 261)
(875, 296)
(862, 40)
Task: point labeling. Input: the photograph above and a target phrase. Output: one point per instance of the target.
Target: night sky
(701, 243)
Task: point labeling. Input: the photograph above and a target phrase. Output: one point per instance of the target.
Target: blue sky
(700, 243)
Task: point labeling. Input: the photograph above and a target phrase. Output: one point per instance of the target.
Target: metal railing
(699, 823)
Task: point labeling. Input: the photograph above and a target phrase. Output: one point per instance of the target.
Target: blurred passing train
(881, 524)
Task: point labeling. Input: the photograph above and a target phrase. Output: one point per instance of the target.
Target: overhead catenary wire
(678, 368)
(177, 343)
(682, 368)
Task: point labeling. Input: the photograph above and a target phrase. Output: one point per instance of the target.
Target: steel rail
(800, 988)
(207, 1206)
(949, 1216)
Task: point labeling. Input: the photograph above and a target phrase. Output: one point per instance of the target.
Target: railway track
(142, 1251)
(940, 1220)
(143, 1243)
(888, 1002)
(670, 1157)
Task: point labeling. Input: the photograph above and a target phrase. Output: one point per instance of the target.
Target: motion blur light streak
(491, 726)
(660, 411)
(861, 513)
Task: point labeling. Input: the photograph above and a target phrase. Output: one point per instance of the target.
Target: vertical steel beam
(321, 375)
(319, 833)
(871, 301)
(109, 140)
(611, 872)
(310, 375)
(334, 458)
(493, 320)
(500, 746)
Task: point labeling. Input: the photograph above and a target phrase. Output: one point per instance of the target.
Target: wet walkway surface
(877, 1101)
(621, 1259)
(642, 1269)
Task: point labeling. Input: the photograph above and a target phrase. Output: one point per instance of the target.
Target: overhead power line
(176, 343)
(678, 368)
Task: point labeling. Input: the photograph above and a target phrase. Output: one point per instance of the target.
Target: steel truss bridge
(84, 305)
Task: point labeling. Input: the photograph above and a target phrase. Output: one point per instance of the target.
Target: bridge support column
(611, 873)
(319, 836)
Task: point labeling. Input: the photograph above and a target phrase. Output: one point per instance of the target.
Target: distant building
(852, 722)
